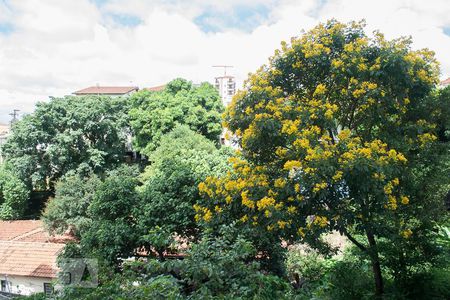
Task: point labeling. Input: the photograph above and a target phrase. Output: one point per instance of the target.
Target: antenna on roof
(224, 68)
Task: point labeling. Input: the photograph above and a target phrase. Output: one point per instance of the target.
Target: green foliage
(69, 208)
(13, 195)
(183, 160)
(157, 113)
(223, 267)
(70, 133)
(158, 239)
(112, 235)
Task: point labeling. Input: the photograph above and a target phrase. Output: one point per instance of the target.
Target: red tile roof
(26, 249)
(29, 231)
(14, 230)
(156, 88)
(445, 82)
(107, 90)
(29, 259)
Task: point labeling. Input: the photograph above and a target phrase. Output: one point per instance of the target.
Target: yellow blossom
(282, 224)
(301, 232)
(320, 90)
(246, 201)
(321, 221)
(319, 186)
(280, 183)
(292, 209)
(404, 200)
(244, 219)
(265, 202)
(337, 176)
(407, 233)
(291, 164)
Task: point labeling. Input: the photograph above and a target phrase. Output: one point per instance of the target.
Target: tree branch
(354, 241)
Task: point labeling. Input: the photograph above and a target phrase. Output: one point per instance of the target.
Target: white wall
(26, 285)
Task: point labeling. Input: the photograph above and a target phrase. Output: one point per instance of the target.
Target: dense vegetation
(340, 134)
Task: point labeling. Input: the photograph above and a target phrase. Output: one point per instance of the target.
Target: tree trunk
(376, 266)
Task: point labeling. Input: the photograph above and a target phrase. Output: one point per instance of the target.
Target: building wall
(21, 285)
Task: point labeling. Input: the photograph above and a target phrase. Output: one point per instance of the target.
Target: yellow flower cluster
(320, 221)
(202, 213)
(426, 138)
(280, 183)
(319, 186)
(246, 201)
(265, 202)
(292, 164)
(407, 233)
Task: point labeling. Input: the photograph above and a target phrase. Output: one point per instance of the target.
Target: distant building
(444, 83)
(226, 85)
(113, 91)
(28, 258)
(158, 88)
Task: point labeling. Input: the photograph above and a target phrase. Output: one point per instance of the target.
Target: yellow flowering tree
(327, 131)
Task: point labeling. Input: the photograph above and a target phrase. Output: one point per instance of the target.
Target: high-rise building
(226, 85)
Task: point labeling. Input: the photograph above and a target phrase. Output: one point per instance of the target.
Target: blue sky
(54, 47)
(239, 16)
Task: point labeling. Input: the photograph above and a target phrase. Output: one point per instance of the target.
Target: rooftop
(107, 90)
(29, 258)
(445, 82)
(156, 88)
(26, 249)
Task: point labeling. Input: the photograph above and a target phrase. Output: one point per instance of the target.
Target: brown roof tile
(445, 82)
(156, 88)
(106, 90)
(29, 259)
(13, 230)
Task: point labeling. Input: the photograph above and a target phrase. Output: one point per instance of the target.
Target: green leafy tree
(13, 195)
(333, 132)
(183, 160)
(112, 234)
(68, 210)
(157, 113)
(70, 133)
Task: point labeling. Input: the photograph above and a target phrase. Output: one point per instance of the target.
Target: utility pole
(15, 115)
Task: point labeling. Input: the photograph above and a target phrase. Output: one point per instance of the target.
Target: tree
(332, 132)
(13, 195)
(69, 209)
(112, 235)
(182, 160)
(70, 133)
(157, 113)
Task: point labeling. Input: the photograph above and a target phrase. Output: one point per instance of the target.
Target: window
(48, 289)
(5, 286)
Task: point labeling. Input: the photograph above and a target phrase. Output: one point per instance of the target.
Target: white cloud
(59, 46)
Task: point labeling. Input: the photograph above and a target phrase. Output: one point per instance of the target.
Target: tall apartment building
(226, 85)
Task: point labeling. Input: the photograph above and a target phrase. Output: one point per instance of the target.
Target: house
(112, 91)
(28, 257)
(444, 83)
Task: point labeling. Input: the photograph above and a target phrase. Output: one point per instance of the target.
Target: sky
(55, 47)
